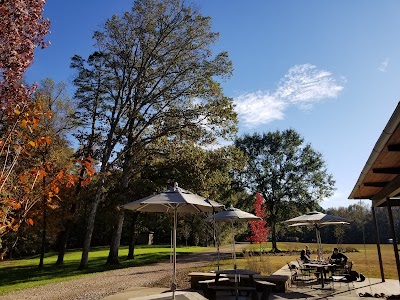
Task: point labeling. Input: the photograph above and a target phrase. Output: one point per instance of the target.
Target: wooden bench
(211, 292)
(281, 281)
(195, 277)
(204, 285)
(211, 281)
(209, 288)
(265, 287)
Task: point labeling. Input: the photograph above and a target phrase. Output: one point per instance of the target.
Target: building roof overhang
(380, 178)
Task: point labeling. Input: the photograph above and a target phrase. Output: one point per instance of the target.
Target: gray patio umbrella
(176, 200)
(318, 220)
(231, 215)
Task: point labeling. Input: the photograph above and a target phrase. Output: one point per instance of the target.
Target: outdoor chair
(304, 269)
(342, 274)
(297, 275)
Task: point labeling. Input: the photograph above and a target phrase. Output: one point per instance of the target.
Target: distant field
(365, 260)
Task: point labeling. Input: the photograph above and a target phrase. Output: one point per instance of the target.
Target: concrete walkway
(372, 286)
(355, 290)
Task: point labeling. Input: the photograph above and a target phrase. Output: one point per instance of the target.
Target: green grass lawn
(23, 273)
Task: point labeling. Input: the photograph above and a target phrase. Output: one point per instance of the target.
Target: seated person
(338, 257)
(304, 257)
(308, 252)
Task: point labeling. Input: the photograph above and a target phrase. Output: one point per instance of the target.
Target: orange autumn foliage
(22, 29)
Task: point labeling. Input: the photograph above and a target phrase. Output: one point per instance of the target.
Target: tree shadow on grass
(14, 277)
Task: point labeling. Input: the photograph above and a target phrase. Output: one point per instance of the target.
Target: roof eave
(391, 126)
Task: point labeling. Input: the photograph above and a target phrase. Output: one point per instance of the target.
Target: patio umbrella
(231, 215)
(176, 200)
(318, 220)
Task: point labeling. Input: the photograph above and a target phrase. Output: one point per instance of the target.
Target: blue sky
(328, 69)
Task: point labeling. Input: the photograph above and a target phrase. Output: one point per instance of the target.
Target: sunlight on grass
(23, 273)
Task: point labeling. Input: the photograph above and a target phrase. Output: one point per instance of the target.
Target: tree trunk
(62, 246)
(43, 247)
(131, 251)
(273, 238)
(90, 226)
(116, 239)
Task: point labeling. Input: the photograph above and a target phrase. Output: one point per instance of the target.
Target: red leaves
(258, 230)
(22, 29)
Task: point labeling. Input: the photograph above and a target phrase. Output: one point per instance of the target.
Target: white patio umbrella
(176, 200)
(231, 215)
(318, 220)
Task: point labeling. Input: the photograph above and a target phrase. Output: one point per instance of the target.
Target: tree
(205, 172)
(55, 156)
(22, 29)
(290, 175)
(258, 230)
(156, 77)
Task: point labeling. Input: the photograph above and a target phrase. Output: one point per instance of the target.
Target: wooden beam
(390, 190)
(386, 170)
(368, 197)
(376, 184)
(394, 147)
(379, 203)
(393, 202)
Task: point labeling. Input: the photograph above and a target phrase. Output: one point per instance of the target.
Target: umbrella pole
(319, 243)
(234, 262)
(318, 247)
(216, 238)
(233, 245)
(173, 286)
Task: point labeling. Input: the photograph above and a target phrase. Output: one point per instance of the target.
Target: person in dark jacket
(338, 257)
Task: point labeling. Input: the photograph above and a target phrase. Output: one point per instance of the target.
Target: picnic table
(230, 280)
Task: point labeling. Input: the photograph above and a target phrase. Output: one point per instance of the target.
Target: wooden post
(378, 245)
(395, 248)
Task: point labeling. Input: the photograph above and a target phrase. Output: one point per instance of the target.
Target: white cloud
(303, 86)
(383, 66)
(259, 108)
